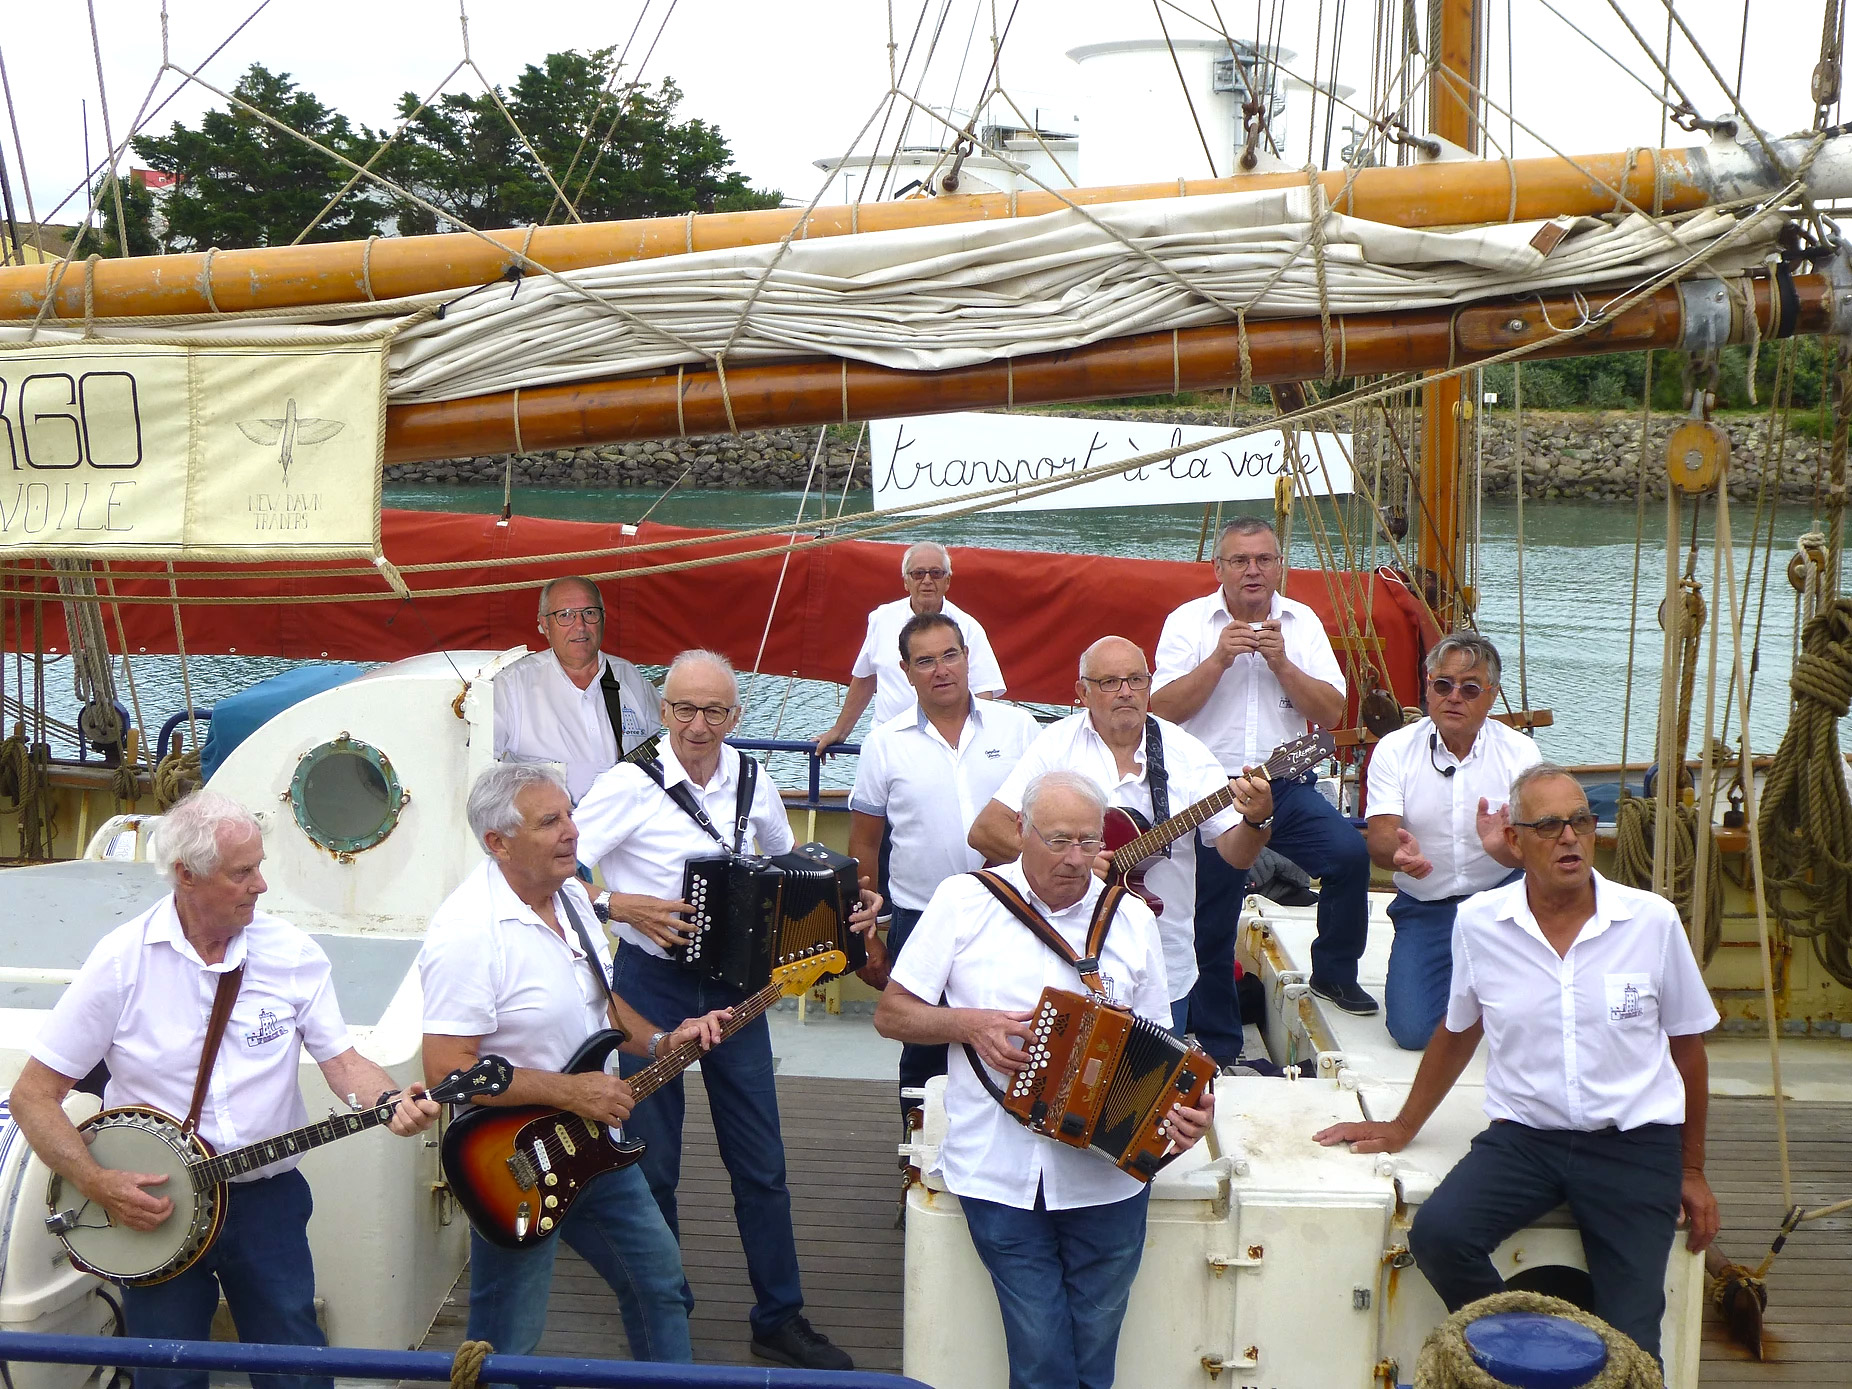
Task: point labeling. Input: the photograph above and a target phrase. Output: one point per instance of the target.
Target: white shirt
(640, 839)
(1074, 745)
(1247, 714)
(491, 968)
(1578, 1042)
(142, 1000)
(880, 657)
(969, 949)
(541, 716)
(1441, 811)
(929, 791)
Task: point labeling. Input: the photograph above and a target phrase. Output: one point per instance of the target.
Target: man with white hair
(926, 570)
(515, 965)
(641, 823)
(573, 703)
(1060, 1230)
(141, 1005)
(1150, 766)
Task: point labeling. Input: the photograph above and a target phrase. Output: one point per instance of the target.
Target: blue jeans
(617, 1229)
(261, 1260)
(1180, 1015)
(1621, 1187)
(1421, 966)
(743, 1098)
(1062, 1279)
(918, 1064)
(1310, 832)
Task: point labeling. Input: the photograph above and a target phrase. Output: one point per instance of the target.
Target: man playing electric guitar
(143, 1003)
(516, 964)
(1113, 741)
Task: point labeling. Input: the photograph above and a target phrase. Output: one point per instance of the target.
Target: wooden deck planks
(839, 1139)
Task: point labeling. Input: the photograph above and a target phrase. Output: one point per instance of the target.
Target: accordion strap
(685, 799)
(1088, 965)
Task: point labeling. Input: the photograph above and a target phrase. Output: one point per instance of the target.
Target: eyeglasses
(948, 659)
(1061, 843)
(1442, 686)
(1248, 561)
(715, 714)
(1110, 684)
(921, 575)
(1551, 826)
(565, 617)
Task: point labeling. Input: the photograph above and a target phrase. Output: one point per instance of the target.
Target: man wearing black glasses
(572, 703)
(1593, 1013)
(1437, 816)
(637, 823)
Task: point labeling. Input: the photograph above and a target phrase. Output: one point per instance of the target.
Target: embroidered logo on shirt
(993, 753)
(268, 1029)
(1627, 996)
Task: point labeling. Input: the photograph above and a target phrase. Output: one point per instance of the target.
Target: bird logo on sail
(291, 432)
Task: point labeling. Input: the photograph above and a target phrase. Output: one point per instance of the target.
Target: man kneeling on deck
(1060, 1230)
(1596, 1083)
(516, 965)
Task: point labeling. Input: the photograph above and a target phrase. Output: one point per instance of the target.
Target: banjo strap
(215, 1033)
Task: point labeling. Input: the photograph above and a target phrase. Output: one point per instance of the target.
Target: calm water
(1578, 566)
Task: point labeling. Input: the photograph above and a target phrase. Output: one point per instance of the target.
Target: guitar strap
(1155, 775)
(613, 703)
(215, 1033)
(685, 799)
(1018, 906)
(591, 958)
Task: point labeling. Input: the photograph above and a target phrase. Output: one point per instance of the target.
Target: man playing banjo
(141, 1004)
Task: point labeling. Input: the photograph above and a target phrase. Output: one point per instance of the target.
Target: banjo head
(135, 1139)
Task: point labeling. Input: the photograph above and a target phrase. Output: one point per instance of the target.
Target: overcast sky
(789, 83)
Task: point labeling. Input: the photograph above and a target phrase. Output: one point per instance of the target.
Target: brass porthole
(345, 795)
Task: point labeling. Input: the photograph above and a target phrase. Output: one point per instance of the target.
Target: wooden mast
(1451, 116)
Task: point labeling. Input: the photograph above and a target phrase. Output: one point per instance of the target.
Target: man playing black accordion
(1059, 1230)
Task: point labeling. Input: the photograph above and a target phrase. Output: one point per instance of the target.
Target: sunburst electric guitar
(516, 1171)
(1134, 841)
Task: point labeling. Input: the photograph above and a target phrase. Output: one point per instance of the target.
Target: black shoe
(1347, 996)
(1296, 896)
(800, 1345)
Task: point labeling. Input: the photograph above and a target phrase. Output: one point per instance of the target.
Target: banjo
(139, 1138)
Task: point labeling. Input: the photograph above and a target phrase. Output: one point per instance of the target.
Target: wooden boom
(1443, 193)
(798, 393)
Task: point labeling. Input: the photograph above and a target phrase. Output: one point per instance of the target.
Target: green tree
(137, 212)
(242, 182)
(618, 153)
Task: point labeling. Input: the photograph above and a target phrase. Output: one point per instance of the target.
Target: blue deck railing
(813, 799)
(344, 1362)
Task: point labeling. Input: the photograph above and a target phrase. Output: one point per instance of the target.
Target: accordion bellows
(1102, 1077)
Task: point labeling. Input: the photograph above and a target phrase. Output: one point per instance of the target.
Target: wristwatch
(1266, 824)
(601, 906)
(655, 1042)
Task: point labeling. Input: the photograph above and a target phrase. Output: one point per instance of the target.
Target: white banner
(144, 451)
(929, 463)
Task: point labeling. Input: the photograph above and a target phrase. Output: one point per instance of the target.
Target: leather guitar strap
(1155, 775)
(613, 704)
(215, 1033)
(591, 958)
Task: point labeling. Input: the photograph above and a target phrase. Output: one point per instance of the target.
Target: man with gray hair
(641, 823)
(926, 570)
(1436, 807)
(1060, 1230)
(573, 703)
(515, 965)
(1593, 1013)
(140, 1005)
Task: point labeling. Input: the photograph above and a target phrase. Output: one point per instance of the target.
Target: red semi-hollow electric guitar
(1134, 841)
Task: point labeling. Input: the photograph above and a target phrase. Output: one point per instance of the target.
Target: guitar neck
(1153, 840)
(670, 1064)
(249, 1158)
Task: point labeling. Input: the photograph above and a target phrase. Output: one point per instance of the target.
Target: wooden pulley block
(1696, 453)
(1693, 601)
(1378, 711)
(1807, 555)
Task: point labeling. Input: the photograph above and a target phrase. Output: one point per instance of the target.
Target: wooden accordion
(752, 913)
(1102, 1077)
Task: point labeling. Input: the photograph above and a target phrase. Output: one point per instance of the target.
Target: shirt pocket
(1632, 1000)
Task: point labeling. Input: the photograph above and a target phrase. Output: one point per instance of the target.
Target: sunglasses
(1442, 686)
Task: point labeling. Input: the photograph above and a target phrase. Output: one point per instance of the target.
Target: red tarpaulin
(1040, 609)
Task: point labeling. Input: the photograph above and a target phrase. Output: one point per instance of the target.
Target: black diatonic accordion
(751, 914)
